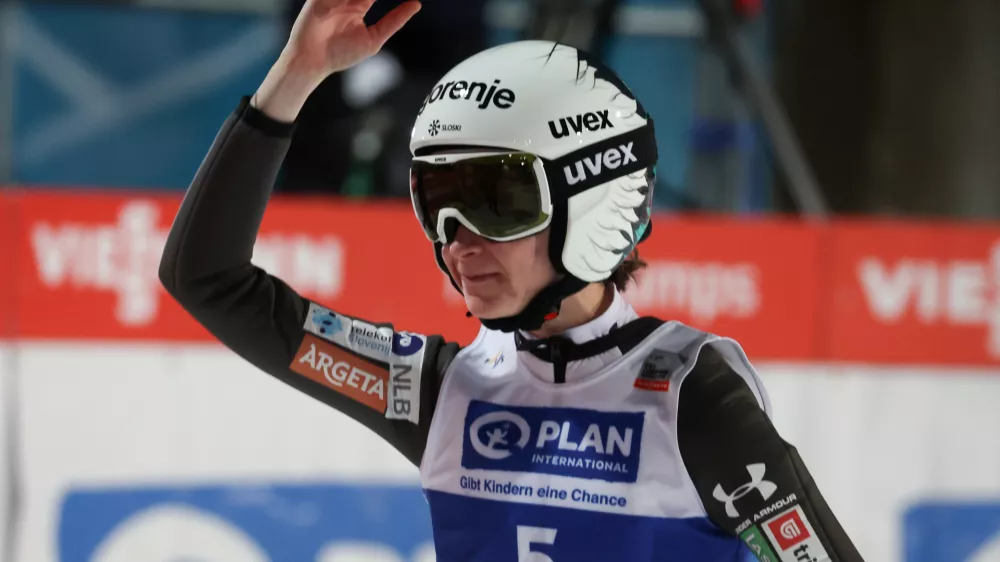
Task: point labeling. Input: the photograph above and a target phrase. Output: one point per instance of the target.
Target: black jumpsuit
(206, 267)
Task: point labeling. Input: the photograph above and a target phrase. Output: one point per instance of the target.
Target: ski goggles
(499, 196)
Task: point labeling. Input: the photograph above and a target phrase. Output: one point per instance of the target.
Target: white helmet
(594, 140)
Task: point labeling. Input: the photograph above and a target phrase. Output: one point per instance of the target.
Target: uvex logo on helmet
(592, 166)
(591, 121)
(484, 94)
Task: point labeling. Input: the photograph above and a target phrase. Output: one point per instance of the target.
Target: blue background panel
(287, 522)
(952, 532)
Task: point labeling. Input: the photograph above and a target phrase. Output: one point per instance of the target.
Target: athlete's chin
(489, 307)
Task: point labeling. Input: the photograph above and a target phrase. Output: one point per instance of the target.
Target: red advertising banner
(755, 280)
(8, 247)
(927, 293)
(84, 266)
(87, 265)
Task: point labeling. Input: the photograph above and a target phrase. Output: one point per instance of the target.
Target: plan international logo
(562, 441)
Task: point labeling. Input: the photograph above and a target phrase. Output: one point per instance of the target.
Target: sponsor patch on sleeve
(757, 544)
(404, 393)
(405, 344)
(327, 324)
(401, 352)
(337, 368)
(404, 384)
(372, 340)
(794, 538)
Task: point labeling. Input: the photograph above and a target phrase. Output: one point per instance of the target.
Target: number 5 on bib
(528, 536)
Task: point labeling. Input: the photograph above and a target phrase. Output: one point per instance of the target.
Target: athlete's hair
(625, 273)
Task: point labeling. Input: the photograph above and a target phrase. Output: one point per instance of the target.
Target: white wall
(132, 416)
(161, 414)
(879, 440)
(4, 460)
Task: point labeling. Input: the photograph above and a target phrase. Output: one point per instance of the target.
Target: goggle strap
(557, 232)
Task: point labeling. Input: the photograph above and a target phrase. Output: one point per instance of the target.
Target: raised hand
(328, 36)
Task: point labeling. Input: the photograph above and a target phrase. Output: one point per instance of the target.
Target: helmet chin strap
(545, 306)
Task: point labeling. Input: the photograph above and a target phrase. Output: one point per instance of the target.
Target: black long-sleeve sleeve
(206, 266)
(752, 483)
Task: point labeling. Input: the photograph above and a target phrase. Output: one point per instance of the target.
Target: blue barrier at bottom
(952, 532)
(315, 522)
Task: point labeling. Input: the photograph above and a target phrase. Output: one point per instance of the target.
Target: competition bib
(517, 469)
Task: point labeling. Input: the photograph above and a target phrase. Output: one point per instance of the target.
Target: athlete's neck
(578, 309)
(613, 312)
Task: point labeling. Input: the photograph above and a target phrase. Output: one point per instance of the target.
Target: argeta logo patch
(342, 371)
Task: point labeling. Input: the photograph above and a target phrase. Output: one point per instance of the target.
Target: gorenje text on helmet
(591, 121)
(610, 159)
(484, 95)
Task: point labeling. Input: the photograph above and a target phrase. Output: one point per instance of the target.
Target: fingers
(322, 8)
(393, 21)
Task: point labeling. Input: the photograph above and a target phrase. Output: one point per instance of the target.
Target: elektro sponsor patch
(343, 371)
(562, 441)
(371, 340)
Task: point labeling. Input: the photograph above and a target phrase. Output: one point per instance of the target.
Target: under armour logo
(757, 482)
